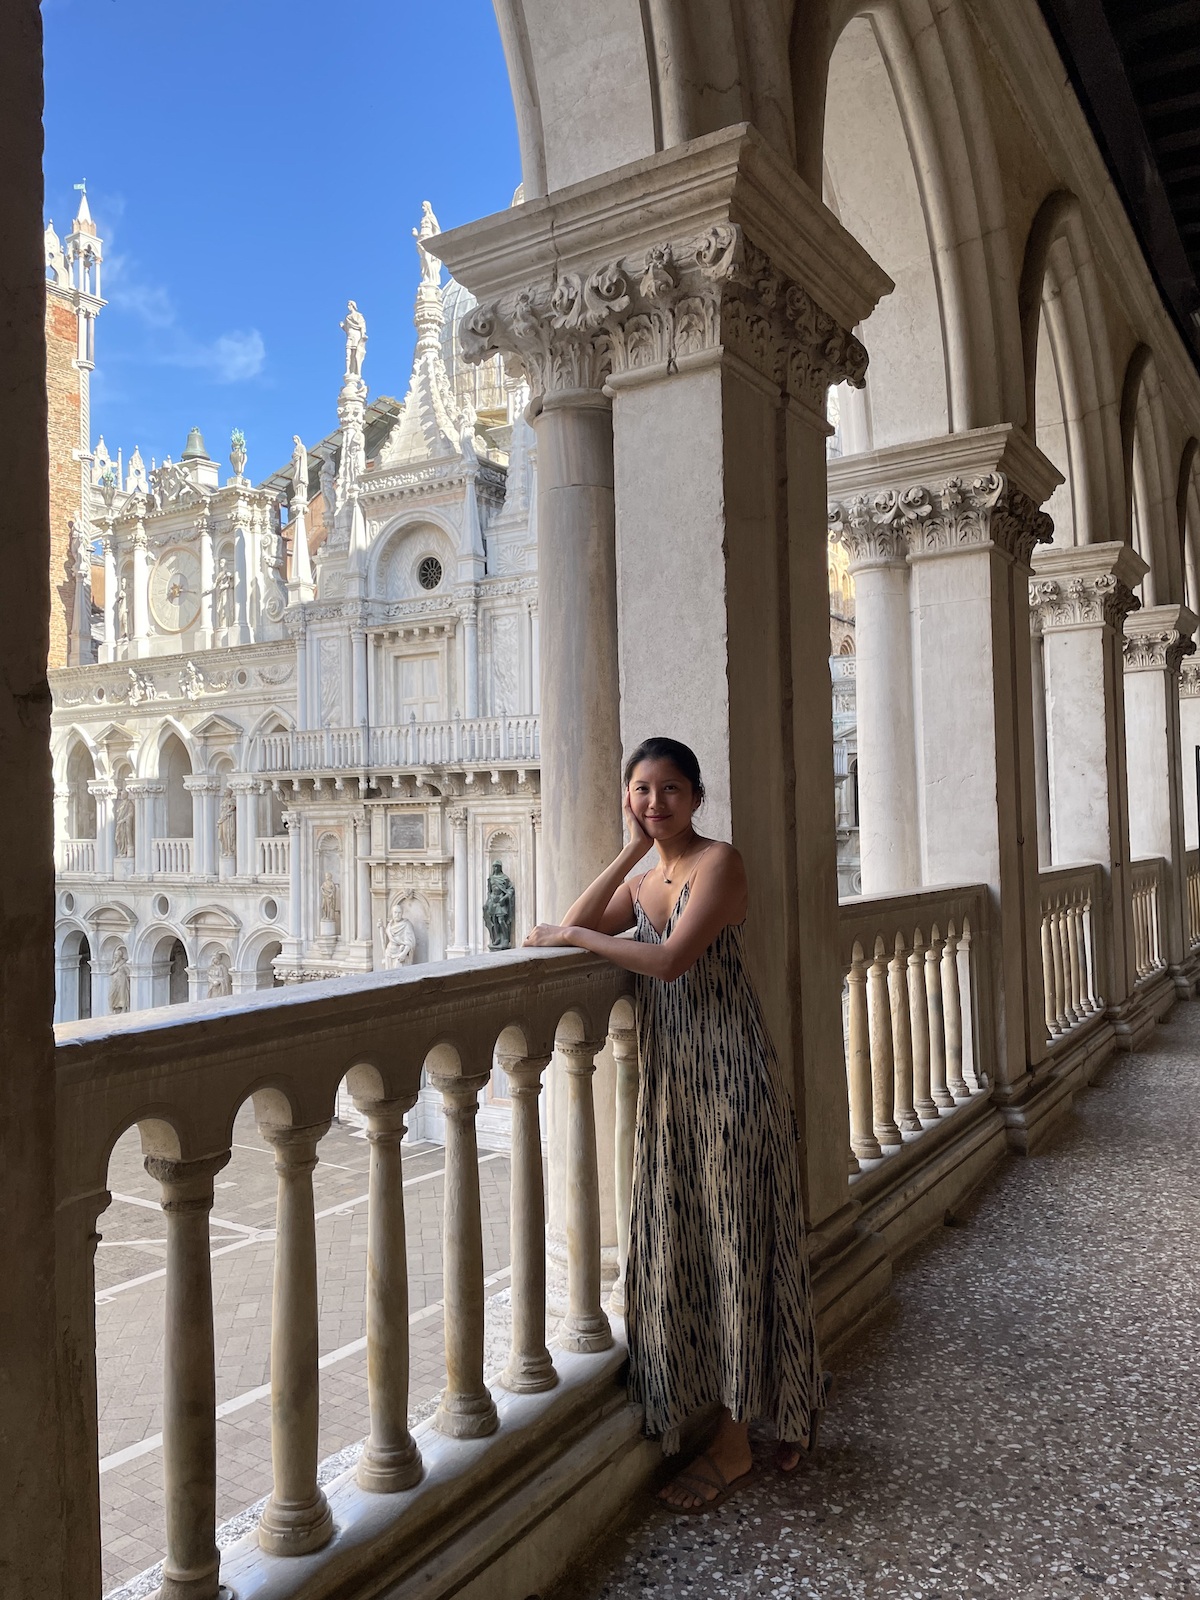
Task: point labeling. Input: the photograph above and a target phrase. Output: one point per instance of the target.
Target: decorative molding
(894, 523)
(1076, 601)
(681, 299)
(1162, 648)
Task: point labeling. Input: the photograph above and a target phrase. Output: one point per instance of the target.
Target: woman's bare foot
(697, 1484)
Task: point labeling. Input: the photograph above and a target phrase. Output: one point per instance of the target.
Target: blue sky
(250, 166)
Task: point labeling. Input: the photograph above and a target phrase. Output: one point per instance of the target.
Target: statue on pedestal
(399, 940)
(118, 980)
(220, 979)
(329, 899)
(223, 590)
(499, 908)
(227, 824)
(123, 825)
(122, 609)
(355, 329)
(299, 475)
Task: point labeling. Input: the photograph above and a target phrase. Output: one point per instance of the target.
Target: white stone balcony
(171, 858)
(274, 856)
(78, 855)
(462, 742)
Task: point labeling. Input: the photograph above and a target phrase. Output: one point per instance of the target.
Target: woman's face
(661, 798)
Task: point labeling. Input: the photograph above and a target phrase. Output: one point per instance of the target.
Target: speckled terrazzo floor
(1024, 1420)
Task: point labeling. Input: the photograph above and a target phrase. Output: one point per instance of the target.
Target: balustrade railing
(78, 855)
(914, 1036)
(274, 857)
(1072, 899)
(1148, 877)
(1193, 898)
(172, 856)
(181, 1076)
(461, 742)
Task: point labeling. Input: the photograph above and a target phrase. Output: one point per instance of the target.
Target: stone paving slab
(1024, 1422)
(130, 1318)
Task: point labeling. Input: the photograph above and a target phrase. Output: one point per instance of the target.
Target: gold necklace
(663, 870)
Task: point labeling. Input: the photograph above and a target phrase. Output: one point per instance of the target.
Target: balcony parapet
(475, 742)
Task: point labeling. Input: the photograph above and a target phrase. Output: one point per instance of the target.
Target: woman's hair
(679, 755)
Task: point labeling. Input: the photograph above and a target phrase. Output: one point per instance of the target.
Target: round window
(68, 902)
(270, 910)
(429, 573)
(162, 905)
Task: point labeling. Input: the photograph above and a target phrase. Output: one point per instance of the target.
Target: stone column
(888, 836)
(204, 626)
(1189, 738)
(296, 1519)
(301, 671)
(468, 616)
(390, 1460)
(204, 791)
(1080, 598)
(358, 678)
(146, 794)
(62, 822)
(105, 793)
(109, 650)
(192, 1560)
(245, 790)
(140, 620)
(535, 642)
(462, 933)
(1156, 641)
(711, 294)
(362, 843)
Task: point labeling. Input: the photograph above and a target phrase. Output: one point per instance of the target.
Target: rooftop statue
(355, 329)
(300, 471)
(431, 267)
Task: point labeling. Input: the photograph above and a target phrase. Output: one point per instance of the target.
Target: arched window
(173, 767)
(83, 1003)
(81, 803)
(177, 979)
(265, 974)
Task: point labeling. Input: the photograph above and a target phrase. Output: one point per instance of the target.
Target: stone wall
(63, 397)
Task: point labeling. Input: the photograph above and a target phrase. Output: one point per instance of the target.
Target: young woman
(717, 1293)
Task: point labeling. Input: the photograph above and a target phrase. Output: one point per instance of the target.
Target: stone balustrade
(274, 857)
(913, 1034)
(1148, 888)
(181, 1077)
(1193, 898)
(171, 857)
(475, 741)
(1072, 901)
(78, 855)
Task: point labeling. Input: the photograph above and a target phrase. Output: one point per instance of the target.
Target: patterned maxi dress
(717, 1290)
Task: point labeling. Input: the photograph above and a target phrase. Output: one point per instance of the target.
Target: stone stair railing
(914, 1039)
(181, 1075)
(1072, 906)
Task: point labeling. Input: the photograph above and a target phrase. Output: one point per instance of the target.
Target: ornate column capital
(1189, 681)
(1158, 639)
(1074, 602)
(458, 817)
(654, 310)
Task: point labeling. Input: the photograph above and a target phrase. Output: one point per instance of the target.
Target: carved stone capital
(676, 300)
(1189, 681)
(881, 527)
(1164, 648)
(1076, 601)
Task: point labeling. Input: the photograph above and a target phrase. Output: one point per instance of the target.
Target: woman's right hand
(639, 839)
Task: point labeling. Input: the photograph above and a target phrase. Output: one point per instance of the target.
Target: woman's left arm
(716, 898)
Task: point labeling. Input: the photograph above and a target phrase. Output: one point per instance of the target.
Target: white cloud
(232, 357)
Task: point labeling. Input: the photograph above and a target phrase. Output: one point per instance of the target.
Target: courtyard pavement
(129, 1319)
(1025, 1419)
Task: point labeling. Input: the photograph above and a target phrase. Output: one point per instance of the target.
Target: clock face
(175, 589)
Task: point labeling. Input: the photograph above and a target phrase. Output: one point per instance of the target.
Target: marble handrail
(181, 1074)
(1072, 901)
(1148, 881)
(913, 1037)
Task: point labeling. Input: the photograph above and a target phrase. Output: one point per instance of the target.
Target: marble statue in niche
(118, 980)
(329, 900)
(223, 594)
(123, 825)
(505, 666)
(499, 908)
(220, 979)
(227, 824)
(122, 618)
(399, 939)
(330, 661)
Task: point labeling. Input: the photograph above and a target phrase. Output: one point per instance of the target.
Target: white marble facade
(313, 710)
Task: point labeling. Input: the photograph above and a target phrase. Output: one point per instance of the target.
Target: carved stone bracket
(1075, 601)
(680, 299)
(895, 522)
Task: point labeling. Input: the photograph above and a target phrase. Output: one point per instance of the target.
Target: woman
(717, 1292)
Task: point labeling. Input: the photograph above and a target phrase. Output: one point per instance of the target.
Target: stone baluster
(1048, 972)
(882, 1070)
(296, 1518)
(529, 1369)
(625, 1055)
(585, 1327)
(191, 1564)
(863, 1142)
(918, 1012)
(952, 1011)
(1056, 965)
(1075, 987)
(940, 1094)
(902, 1045)
(467, 1410)
(390, 1460)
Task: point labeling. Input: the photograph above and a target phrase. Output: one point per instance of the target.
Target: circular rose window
(429, 573)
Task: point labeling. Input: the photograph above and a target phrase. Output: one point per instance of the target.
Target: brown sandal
(693, 1483)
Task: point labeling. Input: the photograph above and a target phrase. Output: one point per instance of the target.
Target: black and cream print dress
(717, 1291)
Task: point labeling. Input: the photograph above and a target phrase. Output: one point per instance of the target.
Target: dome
(483, 385)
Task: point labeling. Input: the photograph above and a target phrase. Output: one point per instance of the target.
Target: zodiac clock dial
(175, 589)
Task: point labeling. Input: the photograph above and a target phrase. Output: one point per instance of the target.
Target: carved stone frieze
(680, 299)
(1103, 598)
(1159, 648)
(915, 520)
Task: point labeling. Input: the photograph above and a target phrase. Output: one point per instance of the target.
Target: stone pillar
(358, 679)
(293, 823)
(204, 791)
(147, 794)
(468, 616)
(204, 626)
(711, 293)
(1080, 598)
(192, 1561)
(535, 640)
(888, 837)
(1189, 738)
(62, 822)
(245, 794)
(462, 933)
(105, 793)
(140, 620)
(109, 649)
(362, 840)
(296, 1518)
(1156, 641)
(301, 677)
